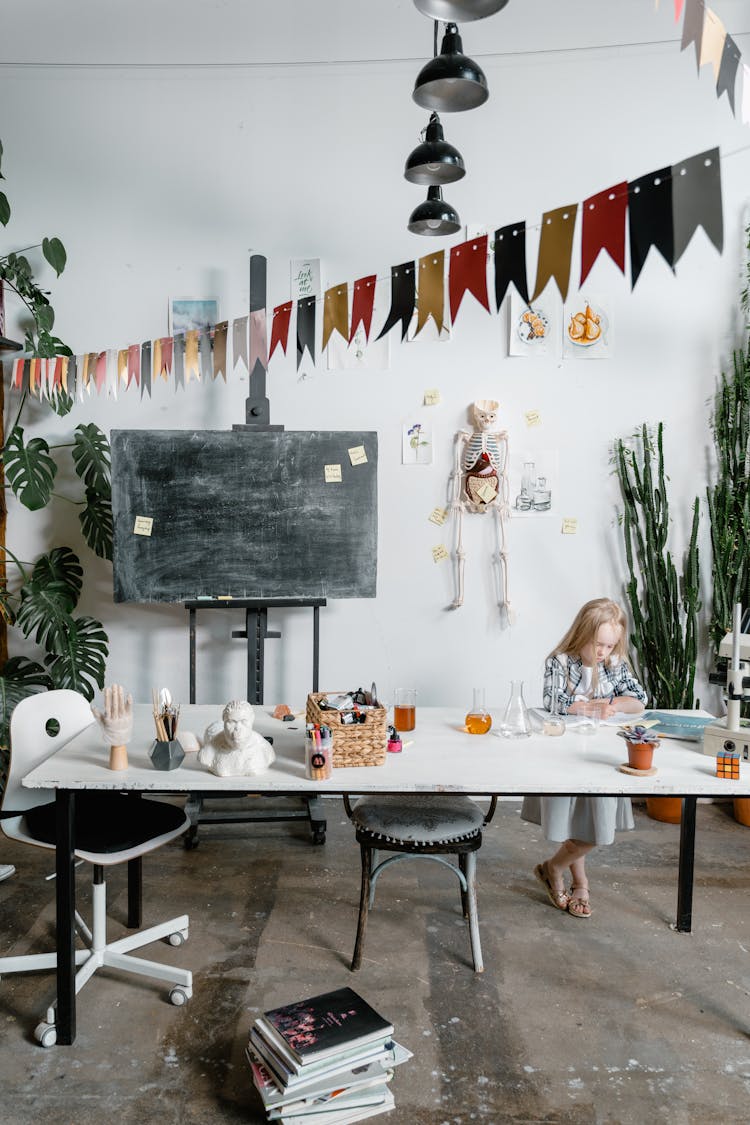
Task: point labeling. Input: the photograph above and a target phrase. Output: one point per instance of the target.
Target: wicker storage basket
(355, 744)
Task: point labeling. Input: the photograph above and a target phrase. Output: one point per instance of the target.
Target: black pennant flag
(510, 262)
(650, 210)
(305, 328)
(146, 368)
(403, 296)
(728, 70)
(696, 200)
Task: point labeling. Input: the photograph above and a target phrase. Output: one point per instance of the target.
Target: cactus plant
(664, 608)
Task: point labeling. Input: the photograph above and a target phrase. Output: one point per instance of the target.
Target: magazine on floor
(319, 1027)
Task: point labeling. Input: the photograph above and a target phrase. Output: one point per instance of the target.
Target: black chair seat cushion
(419, 819)
(108, 822)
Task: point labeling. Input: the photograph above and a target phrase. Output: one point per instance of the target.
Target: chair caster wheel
(179, 996)
(190, 841)
(178, 938)
(46, 1034)
(319, 836)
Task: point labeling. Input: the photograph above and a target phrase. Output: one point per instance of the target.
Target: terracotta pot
(742, 810)
(640, 755)
(668, 809)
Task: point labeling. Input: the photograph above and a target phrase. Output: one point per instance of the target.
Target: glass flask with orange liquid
(478, 720)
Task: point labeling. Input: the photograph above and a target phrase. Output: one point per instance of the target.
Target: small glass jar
(478, 720)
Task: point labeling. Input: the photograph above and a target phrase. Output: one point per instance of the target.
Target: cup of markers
(318, 752)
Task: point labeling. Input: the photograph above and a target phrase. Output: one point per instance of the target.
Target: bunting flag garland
(467, 272)
(282, 315)
(167, 350)
(146, 368)
(730, 61)
(68, 375)
(603, 227)
(205, 357)
(510, 262)
(192, 360)
(122, 367)
(335, 313)
(746, 94)
(110, 381)
(134, 364)
(555, 246)
(220, 349)
(305, 328)
(19, 366)
(100, 370)
(363, 302)
(239, 342)
(179, 360)
(678, 6)
(692, 27)
(431, 295)
(403, 294)
(696, 201)
(712, 43)
(258, 340)
(650, 206)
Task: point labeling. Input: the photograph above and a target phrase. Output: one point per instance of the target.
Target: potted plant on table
(641, 745)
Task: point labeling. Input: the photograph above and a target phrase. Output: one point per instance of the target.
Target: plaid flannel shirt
(614, 679)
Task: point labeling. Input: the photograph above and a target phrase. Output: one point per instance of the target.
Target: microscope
(732, 732)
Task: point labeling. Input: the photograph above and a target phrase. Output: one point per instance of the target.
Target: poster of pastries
(587, 329)
(531, 327)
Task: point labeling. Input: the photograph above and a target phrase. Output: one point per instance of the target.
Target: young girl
(587, 666)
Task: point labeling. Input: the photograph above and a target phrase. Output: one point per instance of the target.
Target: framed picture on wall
(187, 313)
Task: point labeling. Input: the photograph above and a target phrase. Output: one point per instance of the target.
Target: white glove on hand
(116, 722)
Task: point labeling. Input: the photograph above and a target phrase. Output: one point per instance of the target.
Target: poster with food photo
(587, 329)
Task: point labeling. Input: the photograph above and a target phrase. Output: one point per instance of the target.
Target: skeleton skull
(485, 413)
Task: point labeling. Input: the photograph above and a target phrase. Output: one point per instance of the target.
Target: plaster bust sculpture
(231, 748)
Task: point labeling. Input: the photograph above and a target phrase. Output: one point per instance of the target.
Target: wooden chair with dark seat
(419, 827)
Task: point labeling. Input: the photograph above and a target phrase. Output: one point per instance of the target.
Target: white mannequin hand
(116, 722)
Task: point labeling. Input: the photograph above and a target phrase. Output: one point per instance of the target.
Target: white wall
(159, 179)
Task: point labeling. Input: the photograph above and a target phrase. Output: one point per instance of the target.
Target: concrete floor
(615, 1019)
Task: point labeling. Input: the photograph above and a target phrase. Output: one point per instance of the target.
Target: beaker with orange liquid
(478, 720)
(405, 709)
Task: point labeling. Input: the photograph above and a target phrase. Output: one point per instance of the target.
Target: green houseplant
(39, 598)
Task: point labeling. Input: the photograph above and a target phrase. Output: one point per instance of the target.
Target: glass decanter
(478, 720)
(516, 722)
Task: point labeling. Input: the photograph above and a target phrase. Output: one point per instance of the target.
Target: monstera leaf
(7, 606)
(91, 457)
(96, 523)
(50, 597)
(19, 677)
(81, 659)
(30, 469)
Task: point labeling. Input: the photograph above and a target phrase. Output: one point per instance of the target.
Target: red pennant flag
(19, 366)
(57, 374)
(363, 302)
(167, 351)
(468, 271)
(282, 314)
(101, 371)
(678, 6)
(604, 227)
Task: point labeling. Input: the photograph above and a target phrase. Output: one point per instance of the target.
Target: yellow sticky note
(431, 398)
(486, 492)
(439, 554)
(569, 526)
(533, 418)
(333, 474)
(438, 516)
(357, 455)
(143, 525)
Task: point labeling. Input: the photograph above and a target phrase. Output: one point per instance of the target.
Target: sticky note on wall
(440, 554)
(569, 526)
(143, 525)
(357, 455)
(438, 516)
(432, 397)
(333, 474)
(533, 418)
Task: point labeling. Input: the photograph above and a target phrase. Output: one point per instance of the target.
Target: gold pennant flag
(122, 365)
(64, 372)
(335, 313)
(555, 246)
(156, 357)
(220, 349)
(87, 364)
(192, 363)
(431, 292)
(712, 44)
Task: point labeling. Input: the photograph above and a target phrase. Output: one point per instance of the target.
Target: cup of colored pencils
(166, 752)
(318, 752)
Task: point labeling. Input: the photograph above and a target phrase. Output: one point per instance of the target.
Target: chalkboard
(242, 513)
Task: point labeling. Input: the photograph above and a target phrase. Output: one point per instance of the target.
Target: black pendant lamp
(462, 11)
(451, 81)
(434, 216)
(434, 161)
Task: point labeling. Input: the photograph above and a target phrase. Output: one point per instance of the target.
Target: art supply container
(405, 708)
(516, 722)
(478, 720)
(318, 753)
(166, 755)
(588, 719)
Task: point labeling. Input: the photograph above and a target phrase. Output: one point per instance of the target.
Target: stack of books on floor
(324, 1061)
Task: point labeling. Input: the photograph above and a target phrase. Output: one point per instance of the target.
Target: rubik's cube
(728, 764)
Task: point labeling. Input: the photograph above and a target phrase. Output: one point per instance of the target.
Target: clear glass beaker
(516, 722)
(554, 724)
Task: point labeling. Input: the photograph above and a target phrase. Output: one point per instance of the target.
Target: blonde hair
(583, 631)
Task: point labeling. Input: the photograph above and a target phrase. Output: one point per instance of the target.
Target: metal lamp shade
(451, 81)
(434, 161)
(462, 11)
(434, 216)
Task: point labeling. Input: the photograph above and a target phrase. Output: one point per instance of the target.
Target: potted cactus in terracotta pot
(641, 745)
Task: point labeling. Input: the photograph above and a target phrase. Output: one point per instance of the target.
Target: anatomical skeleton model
(480, 484)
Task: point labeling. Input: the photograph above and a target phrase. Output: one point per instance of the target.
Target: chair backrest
(33, 740)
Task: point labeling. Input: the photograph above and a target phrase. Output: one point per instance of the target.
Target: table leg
(65, 921)
(686, 866)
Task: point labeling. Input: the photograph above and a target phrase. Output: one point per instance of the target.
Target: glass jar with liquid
(478, 720)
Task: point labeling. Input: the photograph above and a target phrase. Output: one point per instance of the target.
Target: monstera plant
(40, 598)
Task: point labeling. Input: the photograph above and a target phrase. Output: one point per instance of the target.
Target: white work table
(442, 758)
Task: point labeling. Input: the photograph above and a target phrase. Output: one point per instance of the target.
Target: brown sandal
(559, 899)
(578, 907)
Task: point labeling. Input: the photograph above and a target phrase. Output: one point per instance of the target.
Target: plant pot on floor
(742, 810)
(667, 809)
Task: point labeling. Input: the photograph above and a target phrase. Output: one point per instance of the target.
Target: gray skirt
(592, 820)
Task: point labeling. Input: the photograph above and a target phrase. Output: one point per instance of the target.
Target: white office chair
(109, 828)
